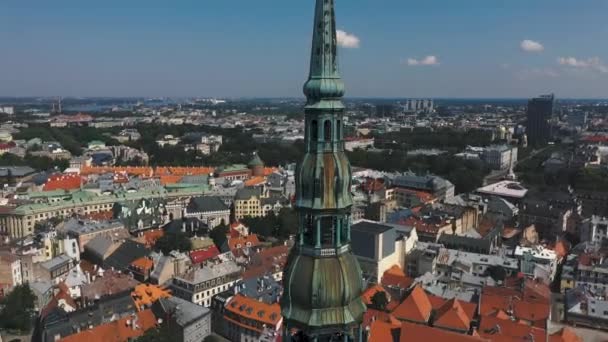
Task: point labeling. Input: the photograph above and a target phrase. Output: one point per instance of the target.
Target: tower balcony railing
(323, 251)
(329, 146)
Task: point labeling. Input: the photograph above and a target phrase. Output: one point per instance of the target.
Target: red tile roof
(253, 310)
(531, 305)
(118, 331)
(269, 170)
(151, 236)
(418, 332)
(416, 307)
(62, 182)
(245, 241)
(268, 261)
(202, 255)
(255, 181)
(422, 196)
(144, 264)
(372, 315)
(452, 315)
(169, 179)
(381, 331)
(536, 313)
(99, 216)
(536, 291)
(145, 295)
(561, 248)
(395, 276)
(63, 294)
(369, 293)
(436, 302)
(501, 330)
(422, 226)
(565, 335)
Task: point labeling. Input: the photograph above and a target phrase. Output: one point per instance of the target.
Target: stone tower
(322, 280)
(256, 165)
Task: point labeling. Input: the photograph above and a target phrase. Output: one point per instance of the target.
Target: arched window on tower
(328, 231)
(327, 130)
(314, 131)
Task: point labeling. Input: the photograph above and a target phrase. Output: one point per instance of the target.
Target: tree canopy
(38, 163)
(218, 234)
(157, 334)
(17, 309)
(379, 300)
(282, 225)
(466, 175)
(174, 241)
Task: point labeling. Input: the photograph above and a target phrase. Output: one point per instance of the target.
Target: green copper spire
(324, 80)
(322, 279)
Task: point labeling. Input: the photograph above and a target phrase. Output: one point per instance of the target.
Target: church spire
(322, 278)
(324, 79)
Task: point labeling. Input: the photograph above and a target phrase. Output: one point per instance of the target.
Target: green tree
(38, 163)
(157, 334)
(288, 223)
(379, 300)
(218, 234)
(263, 226)
(176, 241)
(17, 309)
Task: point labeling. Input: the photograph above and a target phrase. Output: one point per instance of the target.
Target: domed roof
(323, 291)
(255, 161)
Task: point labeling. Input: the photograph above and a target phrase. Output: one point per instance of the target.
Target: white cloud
(347, 40)
(528, 45)
(428, 60)
(593, 63)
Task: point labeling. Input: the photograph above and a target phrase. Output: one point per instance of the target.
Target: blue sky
(252, 48)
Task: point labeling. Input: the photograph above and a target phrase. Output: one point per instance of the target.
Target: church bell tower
(322, 279)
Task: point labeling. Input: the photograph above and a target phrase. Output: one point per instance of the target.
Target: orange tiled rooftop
(254, 310)
(118, 331)
(145, 294)
(255, 181)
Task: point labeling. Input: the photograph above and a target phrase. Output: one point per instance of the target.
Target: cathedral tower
(322, 280)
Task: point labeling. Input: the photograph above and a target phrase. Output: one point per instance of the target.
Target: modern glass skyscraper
(322, 280)
(540, 113)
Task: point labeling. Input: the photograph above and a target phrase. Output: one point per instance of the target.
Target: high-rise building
(540, 113)
(419, 106)
(322, 279)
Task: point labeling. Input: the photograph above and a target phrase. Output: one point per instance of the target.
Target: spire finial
(324, 79)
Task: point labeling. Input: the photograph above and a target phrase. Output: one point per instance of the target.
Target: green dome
(256, 161)
(323, 292)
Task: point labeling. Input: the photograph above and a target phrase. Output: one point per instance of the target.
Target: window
(327, 231)
(327, 130)
(314, 131)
